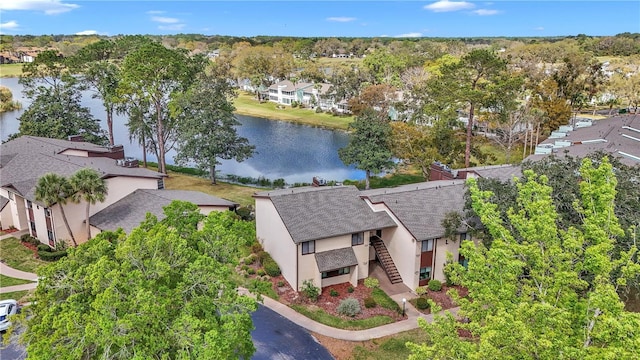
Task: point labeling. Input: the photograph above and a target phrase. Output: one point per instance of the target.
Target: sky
(305, 18)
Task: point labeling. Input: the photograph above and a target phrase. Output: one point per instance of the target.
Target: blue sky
(304, 18)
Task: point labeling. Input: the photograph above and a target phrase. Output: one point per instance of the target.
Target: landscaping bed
(441, 298)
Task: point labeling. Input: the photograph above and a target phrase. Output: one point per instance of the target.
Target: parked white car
(7, 308)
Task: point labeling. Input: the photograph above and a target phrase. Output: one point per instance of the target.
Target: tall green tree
(156, 293)
(54, 189)
(207, 126)
(88, 186)
(153, 74)
(368, 148)
(550, 295)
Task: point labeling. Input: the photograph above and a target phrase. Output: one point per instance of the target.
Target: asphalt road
(275, 338)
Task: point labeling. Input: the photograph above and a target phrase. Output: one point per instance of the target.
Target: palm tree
(89, 186)
(55, 189)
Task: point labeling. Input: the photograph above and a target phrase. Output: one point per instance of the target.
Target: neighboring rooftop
(312, 213)
(618, 136)
(24, 160)
(128, 212)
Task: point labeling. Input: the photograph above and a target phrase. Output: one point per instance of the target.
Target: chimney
(76, 138)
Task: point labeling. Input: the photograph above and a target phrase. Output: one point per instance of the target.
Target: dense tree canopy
(161, 292)
(539, 291)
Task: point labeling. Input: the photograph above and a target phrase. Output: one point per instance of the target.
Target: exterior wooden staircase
(385, 260)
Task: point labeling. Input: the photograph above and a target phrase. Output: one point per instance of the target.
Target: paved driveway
(275, 338)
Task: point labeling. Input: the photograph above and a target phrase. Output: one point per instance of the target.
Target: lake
(285, 150)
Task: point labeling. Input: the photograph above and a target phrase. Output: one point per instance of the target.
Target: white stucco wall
(17, 211)
(6, 217)
(442, 247)
(275, 240)
(402, 247)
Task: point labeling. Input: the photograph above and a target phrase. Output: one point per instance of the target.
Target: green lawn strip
(17, 256)
(382, 299)
(390, 347)
(9, 281)
(246, 104)
(356, 324)
(16, 295)
(237, 193)
(10, 70)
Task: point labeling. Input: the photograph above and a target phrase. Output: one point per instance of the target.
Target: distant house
(308, 94)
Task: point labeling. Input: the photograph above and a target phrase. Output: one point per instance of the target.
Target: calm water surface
(290, 151)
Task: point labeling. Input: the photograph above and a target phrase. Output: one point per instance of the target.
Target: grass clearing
(246, 104)
(17, 256)
(10, 70)
(238, 193)
(384, 300)
(19, 296)
(389, 347)
(357, 324)
(9, 281)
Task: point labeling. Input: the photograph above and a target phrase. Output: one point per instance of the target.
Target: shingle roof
(500, 172)
(621, 135)
(313, 213)
(336, 259)
(128, 212)
(422, 207)
(26, 159)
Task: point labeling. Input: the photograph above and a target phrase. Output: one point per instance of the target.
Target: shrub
(422, 303)
(263, 256)
(333, 292)
(421, 290)
(261, 272)
(51, 256)
(371, 282)
(350, 289)
(244, 267)
(435, 285)
(271, 267)
(310, 290)
(280, 283)
(44, 247)
(30, 239)
(250, 259)
(256, 247)
(349, 307)
(318, 110)
(370, 302)
(251, 271)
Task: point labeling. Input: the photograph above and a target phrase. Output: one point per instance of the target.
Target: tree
(368, 148)
(88, 186)
(54, 189)
(207, 125)
(6, 100)
(153, 74)
(156, 293)
(553, 293)
(55, 110)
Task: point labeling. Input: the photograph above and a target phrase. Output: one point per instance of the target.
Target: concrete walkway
(14, 273)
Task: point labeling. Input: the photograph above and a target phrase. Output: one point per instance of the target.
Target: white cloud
(49, 7)
(9, 25)
(409, 35)
(172, 27)
(340, 19)
(486, 12)
(165, 20)
(155, 12)
(87, 32)
(539, 28)
(446, 6)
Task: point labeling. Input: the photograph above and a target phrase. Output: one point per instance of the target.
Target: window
(308, 247)
(33, 226)
(425, 273)
(464, 262)
(465, 236)
(357, 239)
(50, 235)
(29, 204)
(427, 245)
(47, 212)
(341, 271)
(379, 233)
(160, 184)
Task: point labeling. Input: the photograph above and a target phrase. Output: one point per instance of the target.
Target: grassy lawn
(15, 255)
(246, 104)
(238, 193)
(322, 317)
(20, 296)
(389, 347)
(384, 300)
(9, 281)
(10, 70)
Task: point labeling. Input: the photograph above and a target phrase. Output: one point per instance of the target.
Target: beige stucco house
(331, 234)
(24, 160)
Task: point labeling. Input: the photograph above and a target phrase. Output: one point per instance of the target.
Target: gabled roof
(26, 159)
(128, 212)
(422, 207)
(313, 213)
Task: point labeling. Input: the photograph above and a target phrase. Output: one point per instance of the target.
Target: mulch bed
(442, 299)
